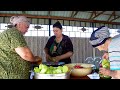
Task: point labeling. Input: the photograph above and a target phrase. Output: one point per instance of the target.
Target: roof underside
(108, 17)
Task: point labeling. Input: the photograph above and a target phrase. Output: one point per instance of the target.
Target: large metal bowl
(52, 76)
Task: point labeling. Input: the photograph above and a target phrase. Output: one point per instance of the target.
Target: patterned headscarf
(99, 36)
(16, 19)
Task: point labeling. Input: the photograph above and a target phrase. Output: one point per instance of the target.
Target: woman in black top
(59, 47)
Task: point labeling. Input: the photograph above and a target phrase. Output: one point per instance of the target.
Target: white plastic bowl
(79, 72)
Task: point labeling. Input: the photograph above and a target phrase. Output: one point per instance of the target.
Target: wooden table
(84, 77)
(71, 77)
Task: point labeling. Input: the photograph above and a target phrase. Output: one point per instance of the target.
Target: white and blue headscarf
(99, 36)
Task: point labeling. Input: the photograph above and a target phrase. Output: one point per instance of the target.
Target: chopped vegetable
(44, 69)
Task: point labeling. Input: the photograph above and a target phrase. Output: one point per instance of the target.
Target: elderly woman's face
(23, 27)
(57, 31)
(102, 47)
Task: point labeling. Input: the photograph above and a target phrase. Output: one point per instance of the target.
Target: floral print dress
(12, 66)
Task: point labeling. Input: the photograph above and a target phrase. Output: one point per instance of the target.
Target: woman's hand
(104, 71)
(105, 56)
(53, 59)
(48, 58)
(116, 74)
(38, 60)
(56, 59)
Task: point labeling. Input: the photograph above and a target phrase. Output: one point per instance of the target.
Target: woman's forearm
(25, 53)
(115, 74)
(66, 55)
(29, 57)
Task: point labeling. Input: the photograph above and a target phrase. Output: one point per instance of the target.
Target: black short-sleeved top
(63, 47)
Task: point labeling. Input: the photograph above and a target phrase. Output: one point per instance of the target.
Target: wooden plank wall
(82, 48)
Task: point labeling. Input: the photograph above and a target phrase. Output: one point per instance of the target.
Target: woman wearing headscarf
(15, 55)
(100, 39)
(59, 47)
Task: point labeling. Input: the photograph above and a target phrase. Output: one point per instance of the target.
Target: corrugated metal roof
(37, 12)
(117, 20)
(61, 13)
(11, 12)
(102, 17)
(84, 15)
(108, 16)
(108, 12)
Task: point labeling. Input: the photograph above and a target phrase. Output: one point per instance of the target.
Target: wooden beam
(72, 13)
(62, 18)
(114, 15)
(75, 13)
(48, 13)
(111, 15)
(98, 14)
(94, 12)
(115, 18)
